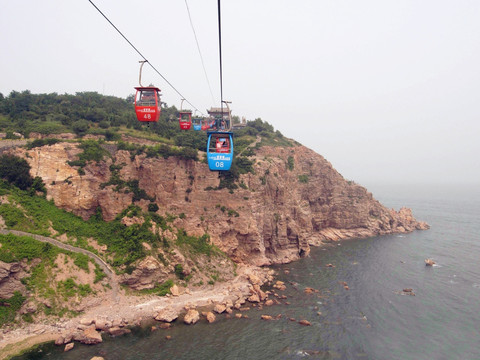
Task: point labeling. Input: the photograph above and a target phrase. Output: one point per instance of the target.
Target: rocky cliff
(294, 198)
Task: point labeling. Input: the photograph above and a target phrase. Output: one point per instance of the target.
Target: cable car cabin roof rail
(219, 111)
(147, 88)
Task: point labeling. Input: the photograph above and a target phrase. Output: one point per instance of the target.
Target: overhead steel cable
(220, 53)
(199, 52)
(143, 57)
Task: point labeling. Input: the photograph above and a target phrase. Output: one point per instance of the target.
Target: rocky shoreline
(114, 318)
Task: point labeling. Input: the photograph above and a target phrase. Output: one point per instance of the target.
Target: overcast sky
(387, 91)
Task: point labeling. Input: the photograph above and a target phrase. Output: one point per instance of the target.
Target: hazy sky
(388, 91)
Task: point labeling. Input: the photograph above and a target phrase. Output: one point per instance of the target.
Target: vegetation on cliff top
(92, 113)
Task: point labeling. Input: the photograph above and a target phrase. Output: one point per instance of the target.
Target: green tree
(16, 171)
(80, 127)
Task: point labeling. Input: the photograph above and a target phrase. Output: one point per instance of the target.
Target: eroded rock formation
(10, 279)
(294, 199)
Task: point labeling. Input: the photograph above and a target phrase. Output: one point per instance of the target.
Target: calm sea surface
(372, 320)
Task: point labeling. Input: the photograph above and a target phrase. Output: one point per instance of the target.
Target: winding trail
(108, 271)
(257, 140)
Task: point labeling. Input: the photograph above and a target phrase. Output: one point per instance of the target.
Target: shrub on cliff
(192, 139)
(80, 127)
(166, 151)
(243, 164)
(16, 171)
(41, 142)
(9, 307)
(153, 207)
(160, 289)
(179, 271)
(200, 244)
(290, 163)
(92, 151)
(131, 185)
(303, 178)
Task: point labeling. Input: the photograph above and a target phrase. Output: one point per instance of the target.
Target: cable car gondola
(197, 123)
(205, 125)
(147, 103)
(185, 119)
(220, 150)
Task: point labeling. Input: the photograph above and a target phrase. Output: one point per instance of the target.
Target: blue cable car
(197, 123)
(220, 150)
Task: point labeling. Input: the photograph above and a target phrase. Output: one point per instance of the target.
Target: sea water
(373, 319)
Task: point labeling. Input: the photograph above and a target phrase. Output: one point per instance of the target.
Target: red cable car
(222, 145)
(185, 119)
(147, 103)
(205, 125)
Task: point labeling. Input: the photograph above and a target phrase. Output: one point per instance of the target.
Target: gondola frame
(185, 124)
(220, 161)
(146, 113)
(197, 123)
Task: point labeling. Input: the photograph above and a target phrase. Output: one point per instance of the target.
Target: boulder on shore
(88, 336)
(280, 285)
(254, 298)
(60, 341)
(102, 324)
(191, 317)
(166, 315)
(219, 308)
(118, 331)
(254, 279)
(210, 317)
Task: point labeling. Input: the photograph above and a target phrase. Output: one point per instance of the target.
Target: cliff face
(10, 279)
(294, 200)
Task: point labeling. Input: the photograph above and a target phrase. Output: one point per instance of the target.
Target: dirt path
(108, 271)
(257, 140)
